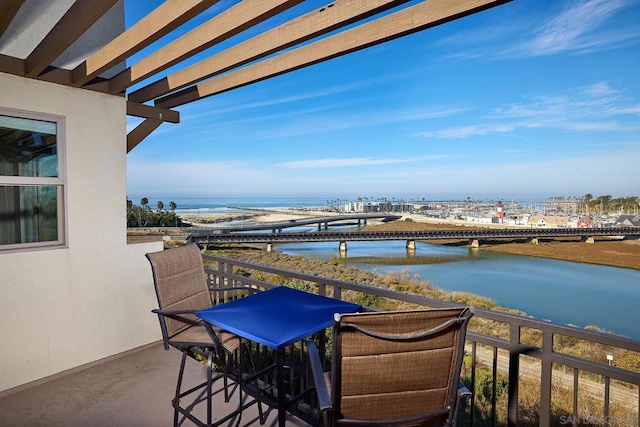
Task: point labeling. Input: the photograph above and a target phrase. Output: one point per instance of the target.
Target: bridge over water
(322, 222)
(474, 236)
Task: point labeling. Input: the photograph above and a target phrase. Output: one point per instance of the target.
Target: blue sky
(534, 98)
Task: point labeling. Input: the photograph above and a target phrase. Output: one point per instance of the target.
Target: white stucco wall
(62, 308)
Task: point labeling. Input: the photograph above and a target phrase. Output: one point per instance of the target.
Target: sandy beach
(257, 215)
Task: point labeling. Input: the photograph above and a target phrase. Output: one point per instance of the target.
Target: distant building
(548, 221)
(584, 222)
(627, 221)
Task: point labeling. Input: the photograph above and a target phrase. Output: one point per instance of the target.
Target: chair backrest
(398, 366)
(180, 282)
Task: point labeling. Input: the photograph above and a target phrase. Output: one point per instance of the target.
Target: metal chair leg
(176, 399)
(209, 386)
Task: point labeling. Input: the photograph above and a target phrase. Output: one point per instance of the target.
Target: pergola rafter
(249, 60)
(294, 32)
(164, 19)
(227, 24)
(406, 21)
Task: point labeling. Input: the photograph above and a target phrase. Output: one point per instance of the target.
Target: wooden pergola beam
(8, 11)
(165, 18)
(406, 21)
(306, 27)
(141, 131)
(78, 19)
(150, 112)
(227, 24)
(16, 66)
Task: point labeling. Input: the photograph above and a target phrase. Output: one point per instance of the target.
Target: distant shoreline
(613, 253)
(258, 215)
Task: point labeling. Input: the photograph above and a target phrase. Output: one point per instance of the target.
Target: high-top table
(277, 318)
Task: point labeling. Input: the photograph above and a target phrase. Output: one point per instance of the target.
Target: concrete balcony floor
(133, 389)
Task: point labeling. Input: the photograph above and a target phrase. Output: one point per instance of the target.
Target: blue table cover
(277, 317)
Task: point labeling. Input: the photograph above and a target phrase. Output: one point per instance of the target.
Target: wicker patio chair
(393, 368)
(181, 288)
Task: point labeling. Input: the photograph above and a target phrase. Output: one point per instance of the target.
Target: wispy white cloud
(332, 123)
(593, 126)
(593, 108)
(467, 131)
(571, 29)
(594, 102)
(324, 118)
(599, 89)
(352, 162)
(631, 109)
(238, 103)
(575, 26)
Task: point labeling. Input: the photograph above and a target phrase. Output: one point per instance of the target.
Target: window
(31, 182)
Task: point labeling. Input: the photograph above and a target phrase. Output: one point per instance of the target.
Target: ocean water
(205, 205)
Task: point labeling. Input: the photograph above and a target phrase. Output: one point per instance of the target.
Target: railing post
(230, 282)
(322, 289)
(514, 370)
(494, 388)
(576, 385)
(607, 397)
(545, 378)
(473, 382)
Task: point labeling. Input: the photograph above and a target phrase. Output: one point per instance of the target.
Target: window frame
(59, 182)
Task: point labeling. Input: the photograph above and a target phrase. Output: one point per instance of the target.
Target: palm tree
(587, 198)
(172, 207)
(160, 205)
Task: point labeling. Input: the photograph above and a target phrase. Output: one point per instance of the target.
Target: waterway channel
(559, 291)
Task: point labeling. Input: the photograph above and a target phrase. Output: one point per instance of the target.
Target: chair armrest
(170, 312)
(324, 399)
(176, 315)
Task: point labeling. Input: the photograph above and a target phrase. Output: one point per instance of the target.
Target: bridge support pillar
(474, 243)
(269, 247)
(587, 239)
(411, 244)
(533, 240)
(343, 246)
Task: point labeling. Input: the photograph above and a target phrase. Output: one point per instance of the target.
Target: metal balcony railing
(521, 371)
